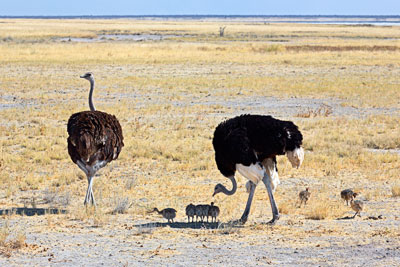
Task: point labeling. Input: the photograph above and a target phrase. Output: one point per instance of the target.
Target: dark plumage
(213, 211)
(250, 144)
(168, 213)
(348, 195)
(95, 138)
(248, 139)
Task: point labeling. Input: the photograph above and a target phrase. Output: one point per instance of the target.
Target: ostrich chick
(347, 195)
(357, 206)
(202, 212)
(304, 196)
(190, 211)
(213, 211)
(167, 213)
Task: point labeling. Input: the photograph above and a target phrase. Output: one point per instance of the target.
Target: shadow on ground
(32, 211)
(191, 225)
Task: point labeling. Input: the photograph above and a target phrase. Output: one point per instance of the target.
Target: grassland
(338, 83)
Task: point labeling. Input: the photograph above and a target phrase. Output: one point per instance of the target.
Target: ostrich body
(190, 211)
(304, 196)
(202, 212)
(167, 213)
(357, 206)
(213, 211)
(249, 144)
(95, 138)
(348, 195)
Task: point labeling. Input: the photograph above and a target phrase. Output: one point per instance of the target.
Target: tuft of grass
(325, 209)
(322, 111)
(396, 191)
(121, 205)
(7, 244)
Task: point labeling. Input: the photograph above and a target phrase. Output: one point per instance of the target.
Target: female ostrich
(95, 138)
(250, 144)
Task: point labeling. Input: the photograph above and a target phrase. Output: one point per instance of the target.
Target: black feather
(248, 139)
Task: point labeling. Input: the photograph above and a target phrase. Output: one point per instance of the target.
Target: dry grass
(10, 241)
(170, 95)
(396, 191)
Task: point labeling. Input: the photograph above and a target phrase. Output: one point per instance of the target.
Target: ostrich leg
(246, 212)
(275, 213)
(88, 196)
(91, 198)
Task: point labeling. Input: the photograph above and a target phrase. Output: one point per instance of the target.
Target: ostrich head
(88, 76)
(296, 156)
(218, 189)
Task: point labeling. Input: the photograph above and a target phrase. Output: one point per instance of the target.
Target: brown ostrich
(348, 195)
(357, 206)
(304, 196)
(95, 138)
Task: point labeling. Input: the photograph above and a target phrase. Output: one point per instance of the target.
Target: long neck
(92, 108)
(234, 187)
(159, 212)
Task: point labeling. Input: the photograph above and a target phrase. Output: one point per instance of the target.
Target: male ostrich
(250, 144)
(95, 138)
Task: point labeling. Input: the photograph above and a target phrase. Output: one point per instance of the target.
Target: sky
(197, 7)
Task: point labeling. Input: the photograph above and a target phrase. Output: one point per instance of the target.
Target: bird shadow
(346, 218)
(191, 225)
(32, 211)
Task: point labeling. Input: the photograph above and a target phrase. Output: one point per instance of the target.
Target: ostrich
(190, 211)
(348, 195)
(250, 144)
(202, 212)
(167, 213)
(357, 206)
(304, 196)
(213, 211)
(95, 138)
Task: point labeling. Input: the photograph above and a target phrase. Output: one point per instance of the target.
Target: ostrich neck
(234, 187)
(91, 105)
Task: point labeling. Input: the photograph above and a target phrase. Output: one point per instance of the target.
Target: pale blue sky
(198, 7)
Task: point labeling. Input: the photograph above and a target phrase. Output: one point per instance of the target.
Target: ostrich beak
(213, 194)
(82, 76)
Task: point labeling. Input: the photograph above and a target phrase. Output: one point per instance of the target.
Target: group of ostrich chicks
(205, 211)
(347, 195)
(200, 211)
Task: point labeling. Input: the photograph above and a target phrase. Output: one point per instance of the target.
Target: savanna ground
(339, 84)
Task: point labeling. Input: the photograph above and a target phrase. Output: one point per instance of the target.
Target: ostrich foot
(274, 220)
(239, 222)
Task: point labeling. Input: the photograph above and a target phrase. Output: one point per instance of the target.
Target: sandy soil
(123, 240)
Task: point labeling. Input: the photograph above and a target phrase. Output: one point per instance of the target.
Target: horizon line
(196, 15)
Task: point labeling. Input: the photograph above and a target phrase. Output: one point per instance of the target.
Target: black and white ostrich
(95, 138)
(249, 144)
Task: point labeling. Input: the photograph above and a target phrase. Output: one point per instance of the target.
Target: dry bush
(227, 229)
(121, 205)
(322, 111)
(7, 244)
(268, 48)
(325, 209)
(55, 198)
(396, 191)
(287, 206)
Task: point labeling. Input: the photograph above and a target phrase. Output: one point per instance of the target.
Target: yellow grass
(170, 95)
